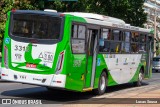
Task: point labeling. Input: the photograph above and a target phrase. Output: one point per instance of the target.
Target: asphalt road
(60, 97)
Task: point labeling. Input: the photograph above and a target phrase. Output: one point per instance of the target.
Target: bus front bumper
(50, 80)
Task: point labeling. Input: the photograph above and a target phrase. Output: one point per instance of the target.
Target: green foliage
(131, 11)
(5, 6)
(135, 13)
(157, 52)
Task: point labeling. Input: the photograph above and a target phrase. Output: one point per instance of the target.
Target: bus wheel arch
(102, 83)
(106, 71)
(142, 68)
(140, 77)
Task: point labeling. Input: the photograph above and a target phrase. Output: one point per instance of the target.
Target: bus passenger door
(91, 53)
(149, 56)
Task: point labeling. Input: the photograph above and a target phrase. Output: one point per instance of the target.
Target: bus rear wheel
(101, 85)
(140, 78)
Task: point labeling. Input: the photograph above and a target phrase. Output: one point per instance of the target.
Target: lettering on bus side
(22, 76)
(18, 57)
(20, 48)
(77, 63)
(125, 61)
(98, 62)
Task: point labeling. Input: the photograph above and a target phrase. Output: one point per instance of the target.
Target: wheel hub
(102, 84)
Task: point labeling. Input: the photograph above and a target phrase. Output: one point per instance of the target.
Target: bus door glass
(92, 36)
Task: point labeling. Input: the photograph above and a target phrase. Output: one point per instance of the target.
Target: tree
(135, 13)
(5, 6)
(68, 6)
(131, 11)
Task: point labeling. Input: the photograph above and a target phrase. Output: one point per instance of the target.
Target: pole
(155, 30)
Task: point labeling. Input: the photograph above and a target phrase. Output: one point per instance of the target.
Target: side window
(117, 35)
(134, 42)
(134, 47)
(115, 47)
(106, 34)
(142, 47)
(135, 37)
(142, 44)
(81, 32)
(78, 38)
(126, 42)
(142, 38)
(74, 31)
(115, 44)
(110, 43)
(104, 43)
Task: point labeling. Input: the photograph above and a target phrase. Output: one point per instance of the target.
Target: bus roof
(106, 20)
(97, 17)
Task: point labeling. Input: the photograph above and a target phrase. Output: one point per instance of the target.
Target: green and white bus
(74, 51)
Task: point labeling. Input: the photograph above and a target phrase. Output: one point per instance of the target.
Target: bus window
(106, 34)
(105, 47)
(135, 37)
(127, 36)
(22, 27)
(101, 44)
(81, 32)
(78, 38)
(78, 46)
(117, 35)
(78, 31)
(134, 47)
(142, 38)
(110, 46)
(104, 43)
(41, 30)
(74, 31)
(126, 42)
(142, 47)
(115, 47)
(35, 26)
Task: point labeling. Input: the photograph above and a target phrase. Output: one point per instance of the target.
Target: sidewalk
(146, 92)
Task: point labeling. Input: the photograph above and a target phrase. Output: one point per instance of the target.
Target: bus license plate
(31, 65)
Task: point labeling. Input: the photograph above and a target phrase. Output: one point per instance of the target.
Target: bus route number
(46, 56)
(20, 48)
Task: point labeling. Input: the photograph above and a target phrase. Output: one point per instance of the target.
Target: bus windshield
(36, 26)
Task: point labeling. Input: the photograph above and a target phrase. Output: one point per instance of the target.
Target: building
(152, 8)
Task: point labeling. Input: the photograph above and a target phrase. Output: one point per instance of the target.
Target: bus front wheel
(101, 85)
(140, 78)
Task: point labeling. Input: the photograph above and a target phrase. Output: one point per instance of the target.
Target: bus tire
(101, 85)
(140, 78)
